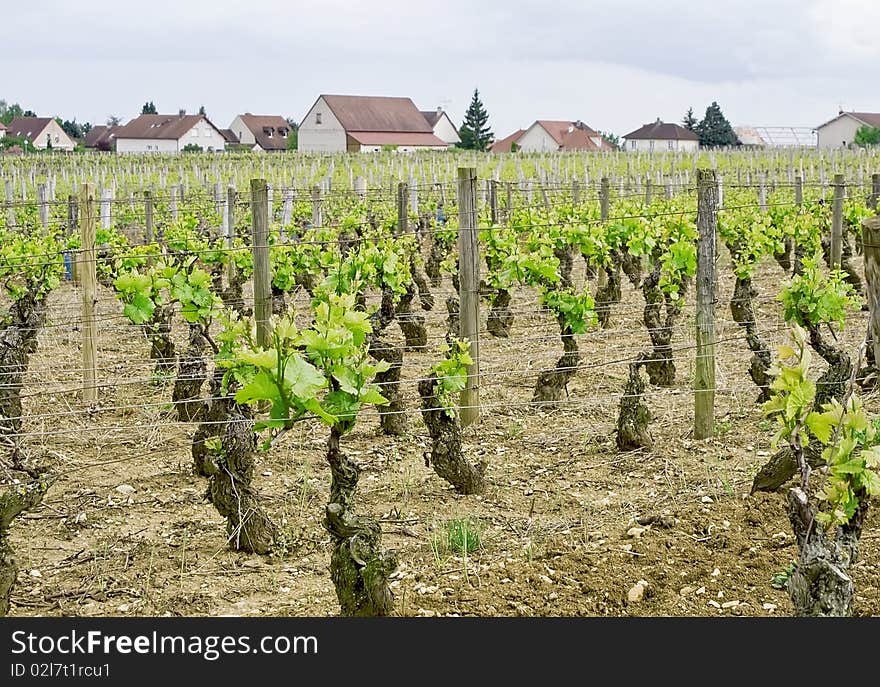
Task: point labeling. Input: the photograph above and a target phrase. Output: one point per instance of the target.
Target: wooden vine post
(837, 221)
(262, 273)
(704, 377)
(469, 287)
(871, 238)
(230, 232)
(875, 191)
(89, 279)
(604, 211)
(402, 212)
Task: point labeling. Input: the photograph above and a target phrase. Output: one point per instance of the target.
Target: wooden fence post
(871, 239)
(10, 204)
(799, 190)
(230, 233)
(262, 273)
(43, 200)
(704, 378)
(493, 202)
(149, 229)
(875, 192)
(402, 211)
(469, 287)
(837, 221)
(89, 279)
(317, 219)
(604, 211)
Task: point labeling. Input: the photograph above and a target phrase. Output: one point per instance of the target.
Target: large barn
(353, 123)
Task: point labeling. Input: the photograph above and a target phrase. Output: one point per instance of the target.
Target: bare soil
(127, 531)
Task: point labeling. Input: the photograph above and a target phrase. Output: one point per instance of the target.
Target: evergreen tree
(690, 121)
(475, 133)
(715, 130)
(149, 108)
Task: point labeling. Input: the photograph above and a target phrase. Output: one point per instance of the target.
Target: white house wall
(660, 145)
(537, 140)
(60, 140)
(445, 131)
(204, 135)
(244, 134)
(146, 145)
(838, 133)
(326, 137)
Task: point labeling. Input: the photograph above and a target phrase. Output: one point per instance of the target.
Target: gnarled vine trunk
(784, 256)
(412, 324)
(744, 316)
(821, 586)
(833, 383)
(552, 384)
(634, 415)
(230, 470)
(500, 318)
(447, 456)
(158, 332)
(392, 417)
(659, 363)
(359, 567)
(608, 294)
(191, 375)
(426, 298)
(25, 487)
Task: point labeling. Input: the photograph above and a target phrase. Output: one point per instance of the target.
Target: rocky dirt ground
(568, 526)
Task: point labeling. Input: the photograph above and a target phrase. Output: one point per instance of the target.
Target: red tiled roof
(398, 138)
(573, 135)
(505, 145)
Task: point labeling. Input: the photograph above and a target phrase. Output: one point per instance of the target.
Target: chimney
(181, 112)
(439, 109)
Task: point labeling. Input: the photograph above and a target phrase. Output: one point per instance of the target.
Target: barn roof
(377, 113)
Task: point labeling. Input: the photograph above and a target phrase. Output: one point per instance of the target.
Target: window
(195, 132)
(670, 145)
(317, 118)
(56, 138)
(650, 145)
(632, 145)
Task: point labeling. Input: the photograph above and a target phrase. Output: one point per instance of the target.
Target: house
(42, 132)
(261, 132)
(547, 135)
(353, 123)
(2, 129)
(442, 125)
(841, 131)
(659, 136)
(508, 144)
(101, 137)
(230, 138)
(155, 133)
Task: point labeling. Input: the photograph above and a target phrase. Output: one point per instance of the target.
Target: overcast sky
(614, 65)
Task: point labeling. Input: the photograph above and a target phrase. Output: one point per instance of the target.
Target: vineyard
(606, 384)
